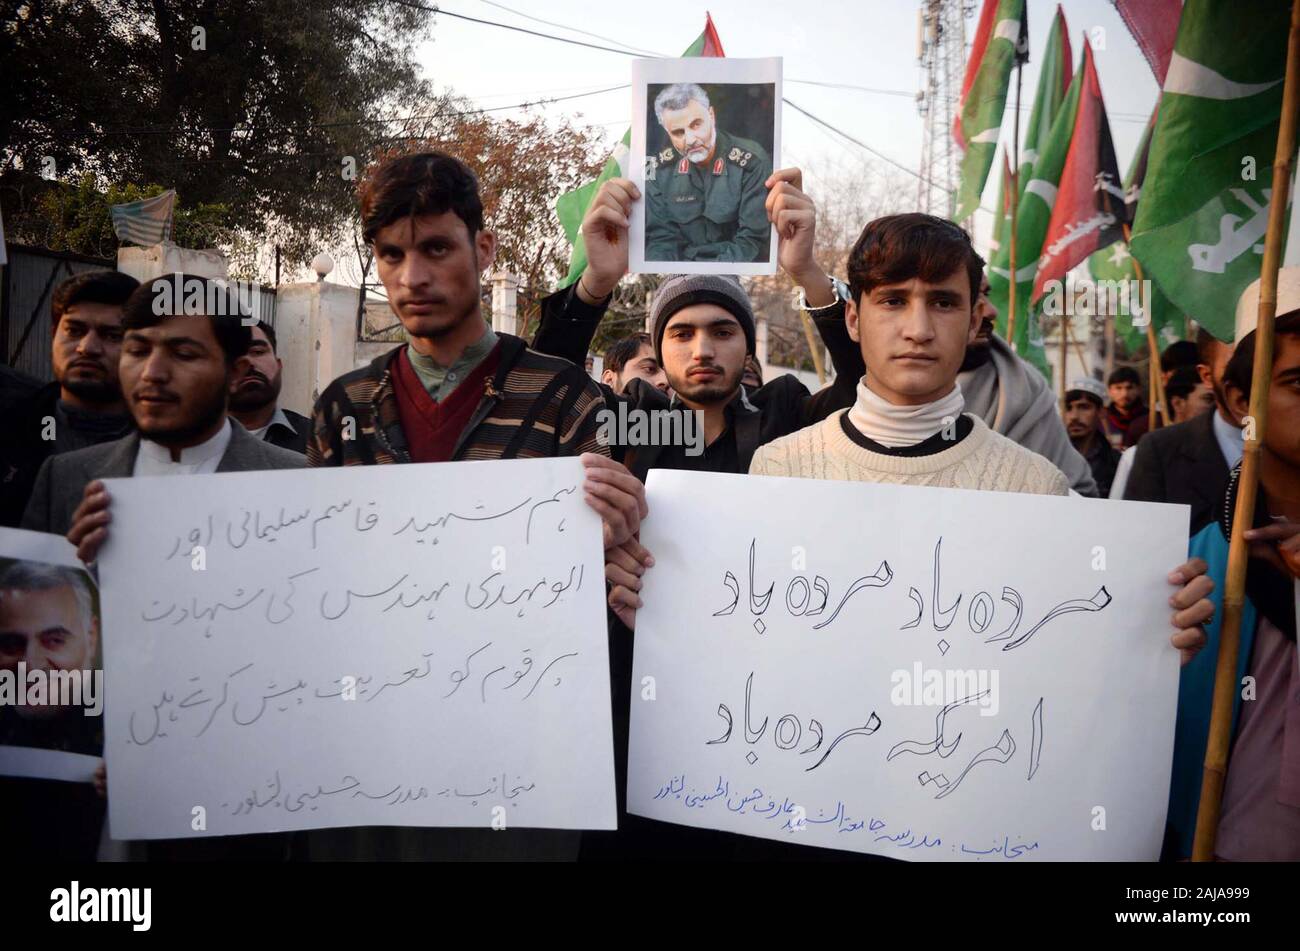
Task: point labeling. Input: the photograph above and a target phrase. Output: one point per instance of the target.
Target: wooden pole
(813, 347)
(1015, 210)
(1155, 383)
(1225, 675)
(1065, 356)
(1078, 348)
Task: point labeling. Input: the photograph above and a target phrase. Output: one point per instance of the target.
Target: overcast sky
(856, 42)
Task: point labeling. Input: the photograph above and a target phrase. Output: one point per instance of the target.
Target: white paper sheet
(801, 639)
(466, 599)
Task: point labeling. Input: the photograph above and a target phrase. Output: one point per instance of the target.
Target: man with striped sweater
(456, 391)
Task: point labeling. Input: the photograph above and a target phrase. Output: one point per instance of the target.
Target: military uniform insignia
(683, 166)
(739, 156)
(666, 155)
(717, 167)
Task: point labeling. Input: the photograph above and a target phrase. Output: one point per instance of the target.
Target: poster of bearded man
(706, 134)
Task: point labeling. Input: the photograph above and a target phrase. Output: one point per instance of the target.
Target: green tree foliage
(248, 108)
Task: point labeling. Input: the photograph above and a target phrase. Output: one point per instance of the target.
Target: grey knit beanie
(683, 290)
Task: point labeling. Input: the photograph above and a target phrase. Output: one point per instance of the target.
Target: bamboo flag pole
(1225, 675)
(813, 346)
(1078, 350)
(1015, 211)
(1155, 383)
(1065, 356)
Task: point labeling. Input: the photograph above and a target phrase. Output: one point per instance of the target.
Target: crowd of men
(925, 393)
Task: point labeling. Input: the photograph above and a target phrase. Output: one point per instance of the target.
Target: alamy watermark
(1131, 298)
(178, 295)
(940, 688)
(52, 689)
(651, 427)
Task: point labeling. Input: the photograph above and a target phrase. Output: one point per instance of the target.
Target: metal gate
(30, 277)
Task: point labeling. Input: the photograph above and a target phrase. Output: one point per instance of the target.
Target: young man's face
(1200, 400)
(256, 380)
(430, 267)
(704, 351)
(87, 344)
(1282, 437)
(913, 336)
(1123, 395)
(46, 630)
(1081, 417)
(175, 379)
(691, 130)
(643, 366)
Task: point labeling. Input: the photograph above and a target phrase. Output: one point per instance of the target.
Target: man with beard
(255, 390)
(176, 369)
(83, 406)
(1008, 393)
(705, 193)
(1083, 405)
(1259, 818)
(48, 624)
(702, 331)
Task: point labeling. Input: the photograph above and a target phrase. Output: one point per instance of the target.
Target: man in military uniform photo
(705, 193)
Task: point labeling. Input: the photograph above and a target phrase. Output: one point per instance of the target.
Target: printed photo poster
(706, 134)
(51, 667)
(913, 672)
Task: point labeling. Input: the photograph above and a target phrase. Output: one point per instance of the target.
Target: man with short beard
(702, 329)
(83, 406)
(175, 374)
(705, 192)
(48, 624)
(255, 390)
(1084, 401)
(1259, 819)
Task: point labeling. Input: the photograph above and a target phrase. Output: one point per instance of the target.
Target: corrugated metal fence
(30, 277)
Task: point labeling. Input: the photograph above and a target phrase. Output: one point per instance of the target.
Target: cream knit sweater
(983, 460)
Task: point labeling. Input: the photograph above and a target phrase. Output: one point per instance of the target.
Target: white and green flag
(1052, 91)
(1200, 225)
(1001, 40)
(145, 222)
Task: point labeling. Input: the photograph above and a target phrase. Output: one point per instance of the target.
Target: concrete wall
(316, 331)
(144, 264)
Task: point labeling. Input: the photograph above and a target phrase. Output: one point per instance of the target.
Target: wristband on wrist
(801, 300)
(596, 297)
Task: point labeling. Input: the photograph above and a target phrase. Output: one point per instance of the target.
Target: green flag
(572, 206)
(1116, 264)
(1001, 40)
(1048, 137)
(1200, 225)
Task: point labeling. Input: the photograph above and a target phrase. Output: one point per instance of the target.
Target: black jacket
(755, 416)
(23, 449)
(295, 440)
(1181, 463)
